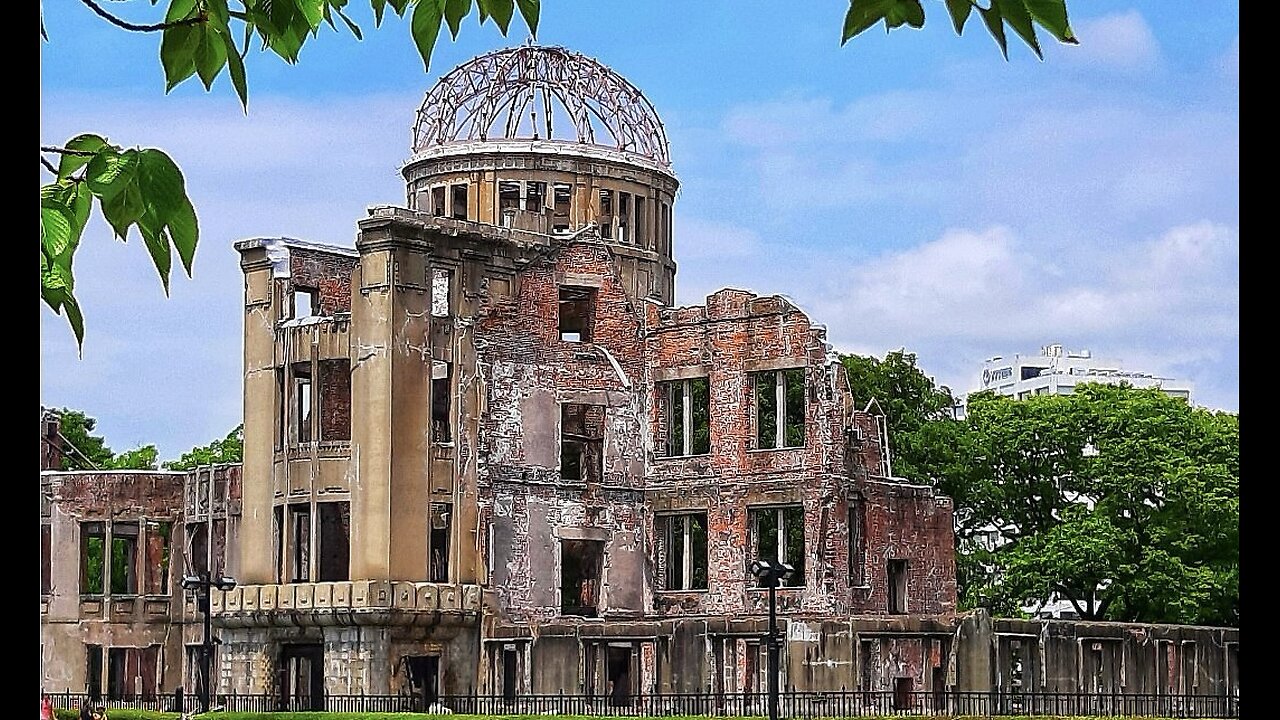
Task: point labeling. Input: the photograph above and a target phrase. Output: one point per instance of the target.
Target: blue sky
(910, 190)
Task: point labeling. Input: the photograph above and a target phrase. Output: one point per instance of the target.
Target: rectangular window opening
(300, 522)
(685, 539)
(577, 307)
(93, 671)
(301, 416)
(335, 399)
(686, 417)
(93, 543)
(581, 442)
(441, 286)
(335, 541)
(580, 566)
(157, 559)
(124, 558)
(605, 217)
(441, 514)
(281, 410)
(857, 541)
(46, 569)
(535, 196)
(305, 302)
(459, 193)
(441, 402)
(437, 201)
(277, 539)
(897, 586)
(779, 408)
(779, 537)
(562, 197)
(508, 200)
(624, 216)
(642, 238)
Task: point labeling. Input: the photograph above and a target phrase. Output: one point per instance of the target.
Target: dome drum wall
(557, 194)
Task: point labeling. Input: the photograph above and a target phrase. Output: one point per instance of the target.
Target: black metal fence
(837, 704)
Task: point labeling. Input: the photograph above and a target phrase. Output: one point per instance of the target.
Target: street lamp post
(203, 583)
(771, 573)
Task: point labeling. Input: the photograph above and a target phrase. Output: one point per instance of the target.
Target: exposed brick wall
(328, 273)
(119, 495)
(335, 399)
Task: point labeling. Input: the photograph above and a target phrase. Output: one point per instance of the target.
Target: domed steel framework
(520, 93)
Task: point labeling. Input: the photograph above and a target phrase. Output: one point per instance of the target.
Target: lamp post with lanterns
(202, 583)
(772, 573)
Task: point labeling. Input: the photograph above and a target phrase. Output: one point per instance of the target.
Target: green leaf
(529, 10)
(995, 25)
(235, 68)
(313, 11)
(178, 45)
(863, 14)
(960, 10)
(378, 7)
(217, 11)
(454, 11)
(1015, 13)
(184, 231)
(110, 171)
(124, 209)
(501, 11)
(87, 142)
(211, 55)
(905, 11)
(482, 7)
(74, 317)
(355, 29)
(55, 229)
(425, 27)
(167, 206)
(399, 6)
(1052, 16)
(157, 242)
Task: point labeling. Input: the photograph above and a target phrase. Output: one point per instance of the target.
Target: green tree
(227, 450)
(143, 188)
(85, 451)
(139, 458)
(1124, 501)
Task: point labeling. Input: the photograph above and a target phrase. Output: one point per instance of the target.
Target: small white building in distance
(1056, 371)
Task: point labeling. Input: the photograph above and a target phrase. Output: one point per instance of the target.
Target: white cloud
(1120, 42)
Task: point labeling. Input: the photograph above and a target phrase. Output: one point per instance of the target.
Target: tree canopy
(229, 449)
(84, 451)
(1123, 501)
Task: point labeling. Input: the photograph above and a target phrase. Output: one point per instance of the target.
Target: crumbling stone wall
(328, 273)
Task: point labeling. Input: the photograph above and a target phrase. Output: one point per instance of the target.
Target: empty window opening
(605, 217)
(441, 514)
(1015, 665)
(857, 541)
(335, 541)
(779, 537)
(459, 202)
(624, 216)
(277, 539)
(580, 566)
(665, 231)
(441, 285)
(577, 306)
(46, 569)
(535, 196)
(642, 238)
(131, 672)
(300, 522)
(903, 688)
(510, 661)
(897, 585)
(301, 682)
(779, 408)
(335, 399)
(562, 199)
(618, 673)
(684, 538)
(581, 442)
(301, 418)
(93, 671)
(686, 417)
(305, 302)
(508, 200)
(424, 678)
(93, 544)
(437, 201)
(867, 665)
(282, 410)
(441, 402)
(198, 547)
(124, 559)
(157, 558)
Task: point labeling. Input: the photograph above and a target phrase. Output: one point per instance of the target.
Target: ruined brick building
(485, 453)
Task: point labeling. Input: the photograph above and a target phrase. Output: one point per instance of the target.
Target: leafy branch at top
(1022, 16)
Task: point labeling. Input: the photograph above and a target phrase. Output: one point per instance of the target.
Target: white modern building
(1056, 371)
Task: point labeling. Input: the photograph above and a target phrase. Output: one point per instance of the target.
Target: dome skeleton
(488, 98)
